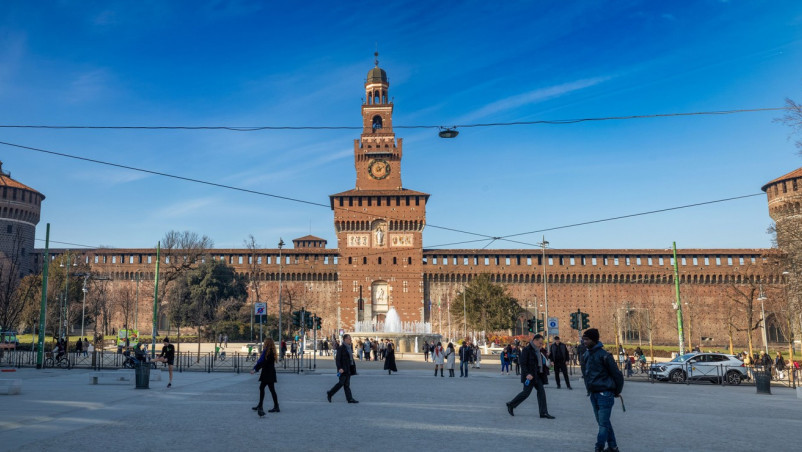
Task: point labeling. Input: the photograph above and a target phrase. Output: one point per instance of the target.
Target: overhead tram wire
(505, 238)
(213, 184)
(620, 217)
(490, 124)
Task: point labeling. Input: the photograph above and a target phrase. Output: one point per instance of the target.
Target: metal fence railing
(184, 361)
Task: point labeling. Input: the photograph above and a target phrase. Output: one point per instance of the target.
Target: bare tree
(744, 294)
(793, 119)
(181, 252)
(12, 293)
(123, 299)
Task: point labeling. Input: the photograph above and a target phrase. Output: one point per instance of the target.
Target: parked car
(701, 366)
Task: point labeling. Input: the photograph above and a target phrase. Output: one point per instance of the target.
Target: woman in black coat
(389, 359)
(267, 363)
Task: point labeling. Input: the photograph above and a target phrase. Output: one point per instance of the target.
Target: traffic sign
(260, 308)
(554, 326)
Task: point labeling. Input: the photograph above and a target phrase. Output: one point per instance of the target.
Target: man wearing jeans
(465, 355)
(604, 383)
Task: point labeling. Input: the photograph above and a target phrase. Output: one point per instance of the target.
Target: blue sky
(244, 63)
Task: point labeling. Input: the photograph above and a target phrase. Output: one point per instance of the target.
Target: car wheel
(733, 377)
(677, 376)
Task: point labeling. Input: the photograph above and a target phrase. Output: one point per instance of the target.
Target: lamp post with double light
(87, 276)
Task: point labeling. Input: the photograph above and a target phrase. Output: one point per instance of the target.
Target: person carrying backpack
(604, 383)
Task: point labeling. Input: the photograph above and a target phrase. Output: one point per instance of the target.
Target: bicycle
(59, 361)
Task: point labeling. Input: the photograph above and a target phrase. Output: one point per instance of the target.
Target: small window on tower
(377, 122)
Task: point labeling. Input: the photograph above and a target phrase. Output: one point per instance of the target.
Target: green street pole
(679, 303)
(40, 351)
(156, 300)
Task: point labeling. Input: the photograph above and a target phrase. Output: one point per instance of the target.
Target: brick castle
(380, 262)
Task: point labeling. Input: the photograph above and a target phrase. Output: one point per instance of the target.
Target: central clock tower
(379, 223)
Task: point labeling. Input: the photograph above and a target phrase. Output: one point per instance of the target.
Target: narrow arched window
(377, 122)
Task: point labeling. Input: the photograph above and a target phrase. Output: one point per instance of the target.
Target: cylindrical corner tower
(785, 205)
(20, 206)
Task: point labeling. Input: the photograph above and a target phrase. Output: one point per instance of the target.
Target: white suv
(701, 366)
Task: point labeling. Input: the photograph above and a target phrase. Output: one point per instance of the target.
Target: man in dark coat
(533, 365)
(389, 358)
(604, 383)
(465, 357)
(345, 365)
(558, 354)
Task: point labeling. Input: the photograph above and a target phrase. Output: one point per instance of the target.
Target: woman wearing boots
(267, 363)
(389, 359)
(438, 356)
(450, 359)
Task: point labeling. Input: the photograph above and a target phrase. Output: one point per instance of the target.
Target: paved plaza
(412, 410)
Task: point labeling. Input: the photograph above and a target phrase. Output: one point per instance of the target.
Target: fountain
(392, 323)
(405, 335)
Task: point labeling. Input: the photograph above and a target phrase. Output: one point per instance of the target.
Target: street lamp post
(762, 297)
(464, 313)
(136, 306)
(543, 244)
(66, 296)
(280, 304)
(88, 276)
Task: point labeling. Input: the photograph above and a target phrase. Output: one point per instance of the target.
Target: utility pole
(543, 244)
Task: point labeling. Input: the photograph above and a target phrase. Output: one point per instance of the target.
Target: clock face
(379, 169)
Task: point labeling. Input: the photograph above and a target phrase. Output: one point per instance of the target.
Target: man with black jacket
(345, 366)
(558, 354)
(465, 356)
(604, 383)
(533, 365)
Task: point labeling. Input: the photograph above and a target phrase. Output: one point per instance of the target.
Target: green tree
(488, 306)
(207, 294)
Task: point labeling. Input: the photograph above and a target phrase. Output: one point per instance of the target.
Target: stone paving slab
(411, 410)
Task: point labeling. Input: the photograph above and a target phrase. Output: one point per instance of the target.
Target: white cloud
(88, 86)
(531, 97)
(184, 208)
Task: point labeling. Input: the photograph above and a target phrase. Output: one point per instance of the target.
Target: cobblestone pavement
(412, 410)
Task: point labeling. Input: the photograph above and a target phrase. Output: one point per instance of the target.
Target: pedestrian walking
(282, 350)
(558, 354)
(533, 365)
(79, 347)
(167, 356)
(604, 383)
(450, 358)
(267, 364)
(505, 359)
(779, 366)
(438, 358)
(389, 358)
(225, 341)
(425, 351)
(345, 369)
(515, 351)
(367, 347)
(477, 356)
(465, 355)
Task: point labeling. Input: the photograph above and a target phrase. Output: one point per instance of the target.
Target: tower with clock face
(379, 223)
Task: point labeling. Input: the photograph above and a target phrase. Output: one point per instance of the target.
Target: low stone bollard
(10, 387)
